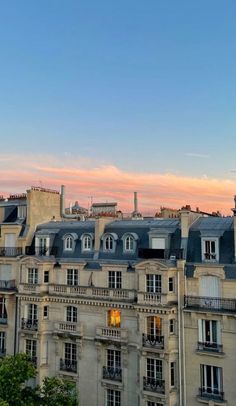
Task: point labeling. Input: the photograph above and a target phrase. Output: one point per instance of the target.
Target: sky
(110, 97)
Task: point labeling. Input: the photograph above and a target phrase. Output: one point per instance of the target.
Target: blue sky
(146, 86)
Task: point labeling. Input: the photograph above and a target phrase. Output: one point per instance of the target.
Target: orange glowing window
(113, 318)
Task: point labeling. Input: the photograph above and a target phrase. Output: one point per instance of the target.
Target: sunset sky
(110, 97)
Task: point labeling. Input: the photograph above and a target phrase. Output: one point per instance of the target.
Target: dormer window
(129, 242)
(109, 242)
(69, 241)
(87, 242)
(210, 249)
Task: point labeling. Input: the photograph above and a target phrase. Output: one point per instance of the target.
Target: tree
(15, 390)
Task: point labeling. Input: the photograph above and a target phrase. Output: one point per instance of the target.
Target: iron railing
(3, 319)
(68, 365)
(112, 373)
(208, 346)
(7, 285)
(153, 385)
(160, 253)
(41, 251)
(29, 324)
(153, 341)
(210, 303)
(211, 393)
(10, 251)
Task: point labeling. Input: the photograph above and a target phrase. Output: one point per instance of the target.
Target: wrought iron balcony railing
(3, 319)
(208, 346)
(41, 251)
(29, 324)
(210, 303)
(211, 393)
(7, 285)
(112, 373)
(153, 341)
(160, 253)
(10, 251)
(153, 385)
(68, 365)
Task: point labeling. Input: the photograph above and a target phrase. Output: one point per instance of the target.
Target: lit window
(154, 326)
(114, 279)
(113, 318)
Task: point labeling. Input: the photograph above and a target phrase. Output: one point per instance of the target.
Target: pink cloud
(107, 182)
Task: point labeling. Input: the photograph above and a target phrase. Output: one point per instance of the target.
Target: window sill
(212, 402)
(210, 353)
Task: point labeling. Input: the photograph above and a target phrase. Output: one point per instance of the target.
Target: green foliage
(58, 392)
(16, 370)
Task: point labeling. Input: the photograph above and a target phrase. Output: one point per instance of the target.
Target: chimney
(135, 202)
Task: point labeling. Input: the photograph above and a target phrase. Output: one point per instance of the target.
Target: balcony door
(154, 326)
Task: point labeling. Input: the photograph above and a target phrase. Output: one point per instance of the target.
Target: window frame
(33, 276)
(114, 318)
(114, 279)
(154, 286)
(72, 277)
(211, 255)
(71, 314)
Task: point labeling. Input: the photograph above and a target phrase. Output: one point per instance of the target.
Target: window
(43, 246)
(154, 368)
(172, 326)
(210, 249)
(71, 314)
(33, 275)
(3, 310)
(158, 243)
(209, 287)
(46, 277)
(114, 318)
(113, 359)
(154, 326)
(113, 397)
(172, 374)
(70, 360)
(21, 212)
(31, 349)
(68, 243)
(45, 312)
(72, 277)
(171, 284)
(129, 243)
(153, 283)
(209, 334)
(211, 381)
(148, 403)
(114, 279)
(87, 243)
(32, 312)
(2, 342)
(108, 243)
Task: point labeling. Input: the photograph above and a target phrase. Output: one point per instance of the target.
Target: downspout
(67, 216)
(179, 343)
(184, 368)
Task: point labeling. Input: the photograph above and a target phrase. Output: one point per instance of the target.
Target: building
(134, 312)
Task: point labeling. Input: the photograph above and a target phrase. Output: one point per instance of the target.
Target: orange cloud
(107, 182)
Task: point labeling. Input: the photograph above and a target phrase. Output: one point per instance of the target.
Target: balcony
(148, 253)
(111, 334)
(153, 385)
(112, 373)
(41, 251)
(68, 365)
(63, 327)
(152, 299)
(151, 341)
(29, 324)
(118, 295)
(211, 394)
(7, 286)
(210, 303)
(10, 251)
(210, 347)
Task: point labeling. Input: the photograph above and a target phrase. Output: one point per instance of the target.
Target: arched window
(109, 243)
(68, 243)
(129, 243)
(87, 243)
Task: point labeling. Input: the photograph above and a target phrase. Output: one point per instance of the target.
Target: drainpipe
(68, 216)
(179, 336)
